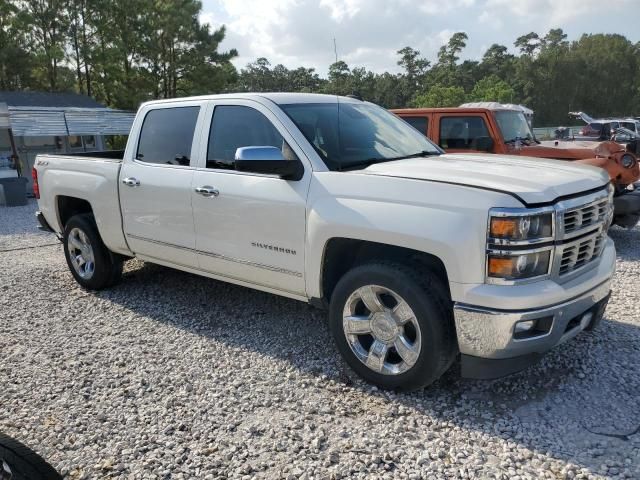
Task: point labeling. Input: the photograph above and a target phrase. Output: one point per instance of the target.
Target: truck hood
(533, 180)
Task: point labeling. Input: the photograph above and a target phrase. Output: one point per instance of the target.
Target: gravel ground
(171, 375)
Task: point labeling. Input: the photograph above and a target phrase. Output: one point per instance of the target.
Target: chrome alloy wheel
(81, 253)
(382, 330)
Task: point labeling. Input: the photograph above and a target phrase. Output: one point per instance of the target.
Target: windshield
(513, 125)
(350, 135)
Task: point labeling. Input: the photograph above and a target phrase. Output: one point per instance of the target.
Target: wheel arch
(341, 254)
(68, 206)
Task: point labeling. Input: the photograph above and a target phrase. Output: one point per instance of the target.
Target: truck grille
(585, 216)
(578, 254)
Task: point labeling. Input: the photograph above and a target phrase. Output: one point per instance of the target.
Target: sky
(368, 33)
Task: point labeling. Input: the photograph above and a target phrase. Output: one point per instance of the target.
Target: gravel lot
(171, 375)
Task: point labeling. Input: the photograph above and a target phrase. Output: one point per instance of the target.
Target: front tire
(91, 263)
(393, 325)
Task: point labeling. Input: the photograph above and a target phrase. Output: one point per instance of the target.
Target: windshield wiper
(525, 140)
(371, 161)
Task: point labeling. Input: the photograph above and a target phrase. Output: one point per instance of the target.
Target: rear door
(467, 132)
(155, 183)
(253, 228)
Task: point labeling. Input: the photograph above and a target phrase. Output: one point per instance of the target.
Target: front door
(464, 133)
(155, 186)
(249, 227)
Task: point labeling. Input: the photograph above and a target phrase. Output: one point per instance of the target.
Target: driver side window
(235, 126)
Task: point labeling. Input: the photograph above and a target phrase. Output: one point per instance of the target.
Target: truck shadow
(578, 405)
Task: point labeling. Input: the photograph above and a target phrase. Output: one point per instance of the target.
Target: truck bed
(92, 177)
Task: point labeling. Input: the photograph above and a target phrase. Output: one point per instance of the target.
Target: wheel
(19, 462)
(91, 263)
(393, 325)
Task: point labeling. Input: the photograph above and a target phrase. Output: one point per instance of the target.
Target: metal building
(42, 122)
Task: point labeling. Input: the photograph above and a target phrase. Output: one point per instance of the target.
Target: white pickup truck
(419, 256)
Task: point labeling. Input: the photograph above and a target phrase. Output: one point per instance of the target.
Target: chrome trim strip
(220, 256)
(579, 203)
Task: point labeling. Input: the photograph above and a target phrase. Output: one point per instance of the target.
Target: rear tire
(91, 263)
(19, 462)
(393, 325)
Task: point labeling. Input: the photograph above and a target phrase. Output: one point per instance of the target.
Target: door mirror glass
(269, 161)
(621, 138)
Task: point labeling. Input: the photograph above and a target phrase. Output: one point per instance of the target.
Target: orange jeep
(504, 129)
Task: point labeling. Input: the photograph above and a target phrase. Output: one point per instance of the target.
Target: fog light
(525, 326)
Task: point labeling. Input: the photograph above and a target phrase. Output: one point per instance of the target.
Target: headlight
(517, 266)
(627, 160)
(520, 228)
(519, 244)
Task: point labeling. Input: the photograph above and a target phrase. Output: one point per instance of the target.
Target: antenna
(335, 49)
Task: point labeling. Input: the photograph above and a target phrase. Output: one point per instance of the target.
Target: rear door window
(166, 136)
(462, 132)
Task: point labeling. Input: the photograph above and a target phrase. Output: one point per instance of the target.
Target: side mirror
(621, 137)
(484, 144)
(269, 161)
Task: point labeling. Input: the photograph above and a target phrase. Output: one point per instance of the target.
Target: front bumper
(491, 348)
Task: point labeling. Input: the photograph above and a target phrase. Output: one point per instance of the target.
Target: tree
(339, 83)
(441, 96)
(528, 44)
(448, 54)
(14, 74)
(497, 61)
(45, 24)
(413, 65)
(492, 89)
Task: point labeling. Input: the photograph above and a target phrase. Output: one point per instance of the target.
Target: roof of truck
(498, 106)
(281, 98)
(473, 107)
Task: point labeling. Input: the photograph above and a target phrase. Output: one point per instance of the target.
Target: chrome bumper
(490, 334)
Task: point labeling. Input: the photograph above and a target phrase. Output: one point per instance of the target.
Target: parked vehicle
(497, 128)
(417, 255)
(603, 129)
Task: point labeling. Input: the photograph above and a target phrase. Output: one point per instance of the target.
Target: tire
(23, 463)
(101, 268)
(429, 331)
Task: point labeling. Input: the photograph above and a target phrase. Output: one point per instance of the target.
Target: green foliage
(123, 52)
(441, 96)
(492, 89)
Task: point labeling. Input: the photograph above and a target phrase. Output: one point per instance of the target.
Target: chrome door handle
(131, 182)
(207, 191)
